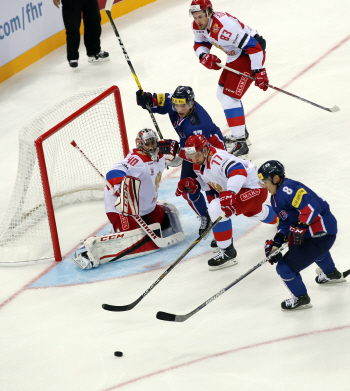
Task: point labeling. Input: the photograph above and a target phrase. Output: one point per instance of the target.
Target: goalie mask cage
(51, 173)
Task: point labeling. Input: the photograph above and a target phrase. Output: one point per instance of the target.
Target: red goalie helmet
(200, 5)
(195, 143)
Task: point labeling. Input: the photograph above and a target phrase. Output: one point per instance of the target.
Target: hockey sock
(223, 233)
(196, 202)
(234, 113)
(271, 217)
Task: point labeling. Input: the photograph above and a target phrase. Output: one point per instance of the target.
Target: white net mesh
(24, 231)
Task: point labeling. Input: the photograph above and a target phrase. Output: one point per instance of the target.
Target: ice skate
(329, 278)
(83, 261)
(296, 303)
(205, 223)
(73, 63)
(99, 57)
(214, 246)
(224, 258)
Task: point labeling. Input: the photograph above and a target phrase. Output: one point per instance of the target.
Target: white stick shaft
(331, 109)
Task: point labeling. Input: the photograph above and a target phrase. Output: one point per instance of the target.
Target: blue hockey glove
(272, 245)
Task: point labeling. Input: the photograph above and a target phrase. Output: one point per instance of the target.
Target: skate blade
(229, 263)
(332, 282)
(302, 307)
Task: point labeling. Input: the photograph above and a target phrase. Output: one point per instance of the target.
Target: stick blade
(120, 308)
(115, 308)
(334, 109)
(165, 316)
(345, 274)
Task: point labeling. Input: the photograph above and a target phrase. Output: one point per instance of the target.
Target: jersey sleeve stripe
(236, 169)
(115, 177)
(253, 46)
(240, 45)
(306, 214)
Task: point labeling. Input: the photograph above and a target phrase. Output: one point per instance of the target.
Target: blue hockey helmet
(182, 95)
(271, 168)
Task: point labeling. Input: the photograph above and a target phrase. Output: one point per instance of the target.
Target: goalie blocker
(131, 243)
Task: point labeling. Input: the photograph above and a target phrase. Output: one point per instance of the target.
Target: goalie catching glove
(128, 201)
(169, 148)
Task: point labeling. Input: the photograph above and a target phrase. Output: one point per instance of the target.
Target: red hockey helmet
(200, 5)
(195, 143)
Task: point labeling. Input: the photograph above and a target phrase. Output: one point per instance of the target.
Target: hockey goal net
(52, 174)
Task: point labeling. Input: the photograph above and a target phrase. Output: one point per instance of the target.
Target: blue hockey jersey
(294, 202)
(198, 122)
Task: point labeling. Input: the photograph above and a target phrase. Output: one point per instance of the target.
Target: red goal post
(50, 174)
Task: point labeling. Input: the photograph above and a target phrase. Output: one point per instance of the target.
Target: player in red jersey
(245, 50)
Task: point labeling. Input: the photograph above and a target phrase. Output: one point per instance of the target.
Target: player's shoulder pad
(195, 119)
(292, 191)
(140, 156)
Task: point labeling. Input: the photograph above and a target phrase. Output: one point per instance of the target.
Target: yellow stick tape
(50, 44)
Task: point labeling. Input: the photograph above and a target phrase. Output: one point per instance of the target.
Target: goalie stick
(128, 307)
(331, 109)
(181, 318)
(108, 8)
(160, 242)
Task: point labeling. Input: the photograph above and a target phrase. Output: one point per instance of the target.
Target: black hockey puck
(118, 354)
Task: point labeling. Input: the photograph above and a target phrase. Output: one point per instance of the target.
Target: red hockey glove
(169, 148)
(228, 203)
(144, 98)
(209, 61)
(296, 233)
(261, 79)
(187, 185)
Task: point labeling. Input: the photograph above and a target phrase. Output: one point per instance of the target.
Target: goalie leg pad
(173, 214)
(120, 246)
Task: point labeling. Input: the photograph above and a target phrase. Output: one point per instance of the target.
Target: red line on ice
(236, 350)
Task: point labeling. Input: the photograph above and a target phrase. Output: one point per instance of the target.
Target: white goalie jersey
(138, 165)
(223, 171)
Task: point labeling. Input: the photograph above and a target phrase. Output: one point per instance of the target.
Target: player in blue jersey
(188, 118)
(307, 223)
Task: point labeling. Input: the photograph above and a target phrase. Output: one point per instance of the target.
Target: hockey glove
(209, 60)
(272, 245)
(169, 148)
(296, 234)
(228, 203)
(261, 79)
(187, 185)
(144, 98)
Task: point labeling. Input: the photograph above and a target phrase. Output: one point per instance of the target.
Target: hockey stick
(108, 8)
(181, 318)
(160, 242)
(332, 109)
(128, 307)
